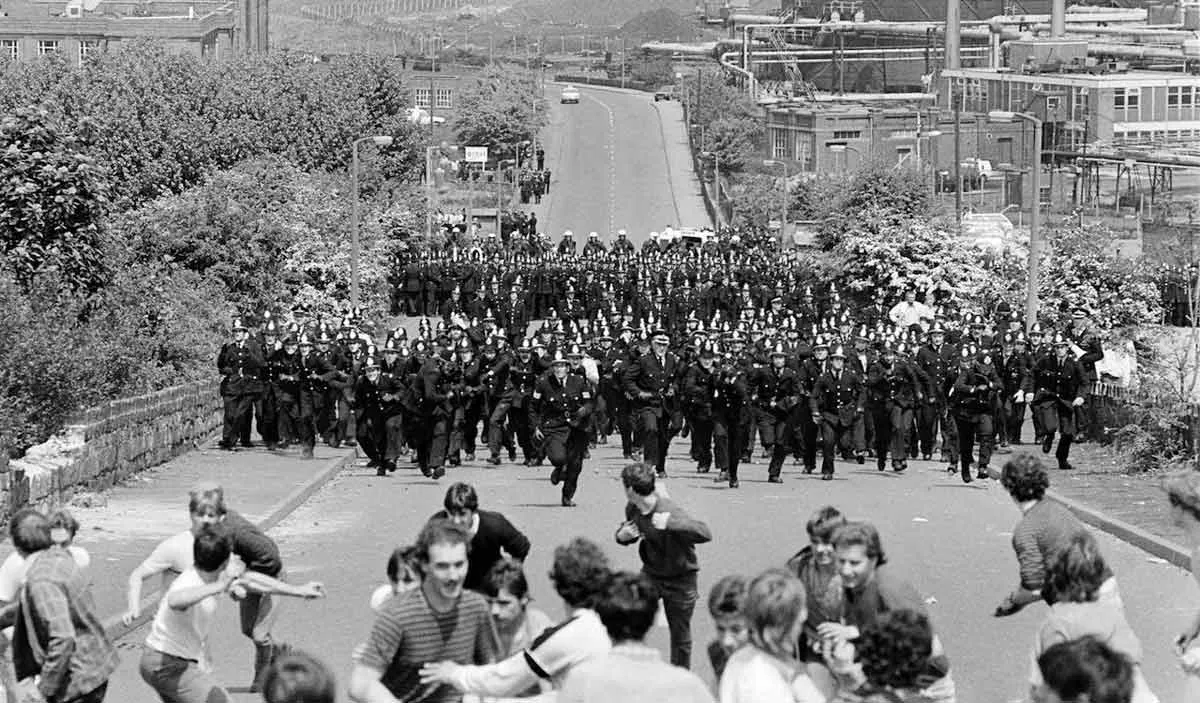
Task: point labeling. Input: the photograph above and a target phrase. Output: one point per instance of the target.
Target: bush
(151, 327)
(162, 120)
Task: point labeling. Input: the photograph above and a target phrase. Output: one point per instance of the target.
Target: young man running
(176, 662)
(257, 552)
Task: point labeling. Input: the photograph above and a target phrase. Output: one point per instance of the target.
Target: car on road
(570, 94)
(667, 92)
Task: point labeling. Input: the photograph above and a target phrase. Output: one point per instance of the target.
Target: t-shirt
(559, 648)
(632, 673)
(549, 658)
(172, 556)
(753, 676)
(409, 633)
(183, 633)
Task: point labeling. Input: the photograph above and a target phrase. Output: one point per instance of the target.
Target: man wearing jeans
(668, 538)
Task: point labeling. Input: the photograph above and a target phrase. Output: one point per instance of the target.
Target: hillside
(660, 24)
(589, 14)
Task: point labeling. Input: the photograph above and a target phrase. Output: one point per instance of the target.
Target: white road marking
(612, 163)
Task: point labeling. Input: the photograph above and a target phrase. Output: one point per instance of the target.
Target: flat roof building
(77, 28)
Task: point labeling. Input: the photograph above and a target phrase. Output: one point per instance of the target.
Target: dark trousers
(311, 404)
(655, 435)
(287, 417)
(1014, 420)
(891, 423)
(518, 421)
(564, 447)
(727, 443)
(679, 596)
(972, 428)
(807, 432)
(371, 433)
(237, 413)
(702, 442)
(835, 433)
(266, 408)
(394, 430)
(1057, 417)
(931, 418)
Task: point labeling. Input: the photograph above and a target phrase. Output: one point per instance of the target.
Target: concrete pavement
(618, 160)
(951, 540)
(123, 525)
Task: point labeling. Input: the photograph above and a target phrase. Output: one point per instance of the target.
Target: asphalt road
(951, 540)
(618, 161)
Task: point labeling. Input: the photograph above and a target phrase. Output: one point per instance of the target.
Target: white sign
(477, 154)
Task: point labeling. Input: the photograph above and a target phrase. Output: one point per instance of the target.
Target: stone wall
(102, 446)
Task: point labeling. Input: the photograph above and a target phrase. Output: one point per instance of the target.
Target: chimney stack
(1058, 18)
(952, 57)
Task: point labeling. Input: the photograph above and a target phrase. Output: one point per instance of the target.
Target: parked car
(667, 92)
(570, 94)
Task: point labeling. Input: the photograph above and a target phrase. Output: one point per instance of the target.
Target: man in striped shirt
(440, 621)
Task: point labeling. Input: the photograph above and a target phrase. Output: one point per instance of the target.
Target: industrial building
(79, 28)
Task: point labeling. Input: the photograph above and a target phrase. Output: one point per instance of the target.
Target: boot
(966, 472)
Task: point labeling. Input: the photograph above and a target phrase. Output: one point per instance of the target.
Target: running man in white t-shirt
(175, 662)
(170, 558)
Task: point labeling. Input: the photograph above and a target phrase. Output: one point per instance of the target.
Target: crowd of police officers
(556, 353)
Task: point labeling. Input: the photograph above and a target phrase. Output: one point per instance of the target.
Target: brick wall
(102, 446)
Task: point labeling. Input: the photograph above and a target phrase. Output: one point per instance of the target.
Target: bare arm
(261, 583)
(366, 687)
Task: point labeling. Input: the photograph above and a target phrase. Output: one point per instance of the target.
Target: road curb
(1155, 545)
(116, 628)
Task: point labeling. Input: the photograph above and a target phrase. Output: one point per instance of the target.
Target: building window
(421, 98)
(443, 98)
(9, 49)
(1127, 100)
(847, 134)
(1180, 96)
(87, 47)
(47, 46)
(779, 144)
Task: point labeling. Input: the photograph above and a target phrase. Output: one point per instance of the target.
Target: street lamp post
(354, 244)
(716, 181)
(1035, 236)
(783, 211)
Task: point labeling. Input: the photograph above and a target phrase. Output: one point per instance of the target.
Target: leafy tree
(736, 141)
(52, 199)
(501, 108)
(890, 193)
(653, 70)
(162, 120)
(756, 201)
(1081, 267)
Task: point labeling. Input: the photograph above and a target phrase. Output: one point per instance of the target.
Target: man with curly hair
(1045, 528)
(580, 574)
(894, 654)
